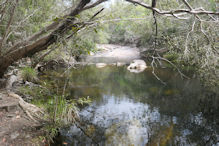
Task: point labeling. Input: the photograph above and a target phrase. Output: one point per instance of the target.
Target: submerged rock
(100, 65)
(120, 64)
(109, 53)
(137, 66)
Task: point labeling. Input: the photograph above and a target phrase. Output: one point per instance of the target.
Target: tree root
(33, 112)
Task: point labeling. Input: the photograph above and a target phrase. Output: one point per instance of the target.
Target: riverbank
(16, 127)
(110, 53)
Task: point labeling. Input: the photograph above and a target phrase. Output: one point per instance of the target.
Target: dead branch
(174, 12)
(94, 4)
(186, 51)
(84, 23)
(153, 62)
(158, 58)
(191, 9)
(120, 19)
(166, 60)
(177, 14)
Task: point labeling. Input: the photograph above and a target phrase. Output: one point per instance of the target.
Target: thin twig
(201, 28)
(186, 51)
(153, 70)
(164, 59)
(177, 11)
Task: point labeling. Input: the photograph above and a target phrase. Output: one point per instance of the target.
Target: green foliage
(35, 92)
(171, 57)
(129, 24)
(82, 46)
(51, 131)
(42, 12)
(29, 17)
(29, 74)
(198, 50)
(126, 23)
(81, 101)
(60, 111)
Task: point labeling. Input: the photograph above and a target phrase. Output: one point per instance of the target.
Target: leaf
(95, 30)
(77, 16)
(56, 19)
(74, 28)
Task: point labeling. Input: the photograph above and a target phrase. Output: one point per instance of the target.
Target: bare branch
(201, 28)
(153, 70)
(48, 52)
(186, 51)
(121, 19)
(84, 23)
(166, 60)
(187, 4)
(94, 4)
(172, 12)
(178, 12)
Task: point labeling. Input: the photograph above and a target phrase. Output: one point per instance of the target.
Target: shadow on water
(136, 109)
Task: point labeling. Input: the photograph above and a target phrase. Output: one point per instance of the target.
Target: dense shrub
(29, 74)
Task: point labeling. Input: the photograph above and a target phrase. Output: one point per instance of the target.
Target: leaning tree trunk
(31, 48)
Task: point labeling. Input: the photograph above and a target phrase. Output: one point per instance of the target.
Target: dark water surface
(137, 109)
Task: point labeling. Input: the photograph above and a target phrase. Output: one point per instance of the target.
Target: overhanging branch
(94, 4)
(174, 12)
(49, 28)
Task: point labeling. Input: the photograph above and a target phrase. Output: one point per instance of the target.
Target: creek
(137, 109)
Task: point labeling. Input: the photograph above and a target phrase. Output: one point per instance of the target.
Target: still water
(138, 110)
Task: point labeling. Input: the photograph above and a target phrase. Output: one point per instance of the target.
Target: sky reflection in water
(136, 109)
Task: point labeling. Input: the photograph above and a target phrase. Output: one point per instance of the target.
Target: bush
(171, 56)
(29, 74)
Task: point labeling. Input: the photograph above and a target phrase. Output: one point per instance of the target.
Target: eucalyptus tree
(32, 39)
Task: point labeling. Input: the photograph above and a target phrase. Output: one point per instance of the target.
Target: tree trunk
(33, 47)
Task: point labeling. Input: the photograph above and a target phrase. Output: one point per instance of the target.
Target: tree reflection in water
(136, 109)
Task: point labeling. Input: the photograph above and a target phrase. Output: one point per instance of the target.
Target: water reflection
(136, 109)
